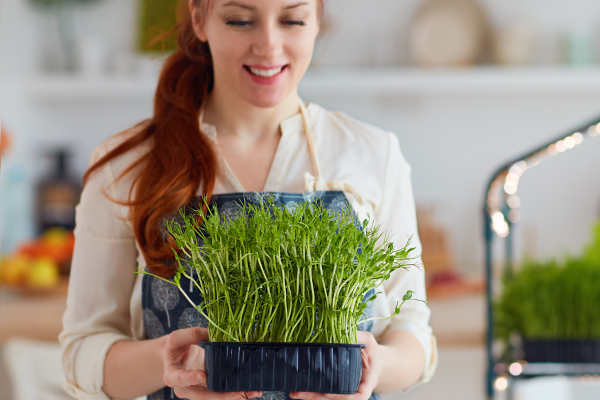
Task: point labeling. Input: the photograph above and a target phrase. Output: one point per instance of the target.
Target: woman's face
(260, 48)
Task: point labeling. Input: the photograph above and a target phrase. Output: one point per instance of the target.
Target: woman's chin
(266, 100)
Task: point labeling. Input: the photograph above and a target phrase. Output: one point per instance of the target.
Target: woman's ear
(197, 21)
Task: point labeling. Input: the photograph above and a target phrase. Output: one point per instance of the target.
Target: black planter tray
(286, 367)
(562, 351)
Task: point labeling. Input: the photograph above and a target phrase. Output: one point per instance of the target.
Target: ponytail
(181, 159)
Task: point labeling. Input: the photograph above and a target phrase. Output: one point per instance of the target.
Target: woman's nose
(269, 42)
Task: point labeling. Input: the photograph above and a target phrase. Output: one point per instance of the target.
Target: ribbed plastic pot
(562, 351)
(303, 367)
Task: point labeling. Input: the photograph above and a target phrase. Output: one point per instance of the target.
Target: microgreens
(278, 274)
(552, 299)
(549, 301)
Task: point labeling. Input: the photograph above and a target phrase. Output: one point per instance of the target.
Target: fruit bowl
(60, 289)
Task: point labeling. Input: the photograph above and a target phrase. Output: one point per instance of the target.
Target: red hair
(181, 158)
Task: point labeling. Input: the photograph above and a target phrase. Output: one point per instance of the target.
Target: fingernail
(328, 395)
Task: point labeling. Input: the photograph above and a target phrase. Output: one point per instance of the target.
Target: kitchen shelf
(32, 314)
(76, 88)
(341, 82)
(478, 81)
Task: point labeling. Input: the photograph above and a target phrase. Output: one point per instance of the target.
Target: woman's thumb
(186, 337)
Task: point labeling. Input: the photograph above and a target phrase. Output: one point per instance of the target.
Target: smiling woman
(228, 124)
(260, 53)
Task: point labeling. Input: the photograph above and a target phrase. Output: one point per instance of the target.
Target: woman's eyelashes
(292, 23)
(244, 24)
(240, 24)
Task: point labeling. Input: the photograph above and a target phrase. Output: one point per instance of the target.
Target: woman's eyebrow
(299, 4)
(237, 4)
(249, 7)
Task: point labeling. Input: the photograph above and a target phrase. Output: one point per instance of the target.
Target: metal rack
(501, 211)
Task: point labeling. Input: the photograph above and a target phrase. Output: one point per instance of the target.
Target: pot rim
(282, 344)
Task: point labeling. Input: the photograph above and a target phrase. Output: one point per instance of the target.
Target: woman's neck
(235, 117)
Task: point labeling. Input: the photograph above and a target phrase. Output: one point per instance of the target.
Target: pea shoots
(284, 274)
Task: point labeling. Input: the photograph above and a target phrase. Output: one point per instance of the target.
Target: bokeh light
(510, 187)
(501, 383)
(569, 142)
(514, 201)
(514, 216)
(515, 369)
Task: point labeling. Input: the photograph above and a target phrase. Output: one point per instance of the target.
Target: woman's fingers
(180, 340)
(182, 378)
(363, 393)
(184, 367)
(193, 360)
(328, 396)
(201, 393)
(183, 360)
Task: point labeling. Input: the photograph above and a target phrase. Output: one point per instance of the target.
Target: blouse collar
(291, 130)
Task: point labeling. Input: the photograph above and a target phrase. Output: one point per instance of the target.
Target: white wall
(453, 142)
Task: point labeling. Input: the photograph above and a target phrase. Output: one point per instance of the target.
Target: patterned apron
(166, 310)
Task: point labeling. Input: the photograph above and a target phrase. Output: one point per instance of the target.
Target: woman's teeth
(266, 73)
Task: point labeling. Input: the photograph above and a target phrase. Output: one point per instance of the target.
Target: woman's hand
(184, 367)
(372, 366)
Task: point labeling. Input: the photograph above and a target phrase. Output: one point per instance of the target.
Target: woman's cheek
(301, 50)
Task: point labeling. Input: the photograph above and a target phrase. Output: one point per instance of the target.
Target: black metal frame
(527, 370)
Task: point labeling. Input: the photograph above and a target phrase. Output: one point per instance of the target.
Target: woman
(227, 119)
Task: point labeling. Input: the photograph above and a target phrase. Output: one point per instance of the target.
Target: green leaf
(408, 295)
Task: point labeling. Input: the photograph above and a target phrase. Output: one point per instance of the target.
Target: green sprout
(278, 274)
(552, 299)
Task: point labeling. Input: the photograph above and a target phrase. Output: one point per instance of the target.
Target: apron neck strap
(310, 141)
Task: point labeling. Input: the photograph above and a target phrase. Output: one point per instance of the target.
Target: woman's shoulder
(341, 134)
(118, 139)
(347, 123)
(116, 172)
(338, 122)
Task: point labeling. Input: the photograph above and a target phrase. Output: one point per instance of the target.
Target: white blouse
(104, 303)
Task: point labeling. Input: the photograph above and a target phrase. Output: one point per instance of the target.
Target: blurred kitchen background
(467, 85)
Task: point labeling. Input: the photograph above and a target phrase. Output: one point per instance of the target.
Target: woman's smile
(266, 75)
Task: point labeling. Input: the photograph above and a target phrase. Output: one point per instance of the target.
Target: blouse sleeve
(396, 214)
(100, 286)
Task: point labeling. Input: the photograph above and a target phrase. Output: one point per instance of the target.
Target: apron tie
(317, 184)
(312, 183)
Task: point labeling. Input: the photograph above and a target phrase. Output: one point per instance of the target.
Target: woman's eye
(238, 23)
(298, 23)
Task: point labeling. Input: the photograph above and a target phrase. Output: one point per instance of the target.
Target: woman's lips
(264, 75)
